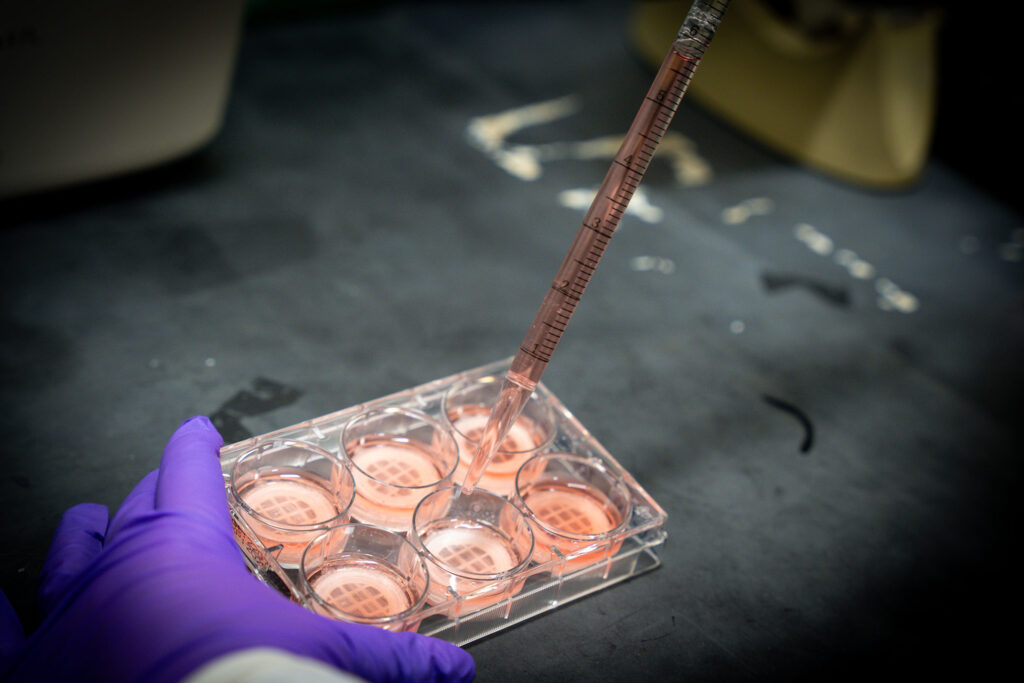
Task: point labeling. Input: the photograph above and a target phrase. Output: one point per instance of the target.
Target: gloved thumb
(76, 542)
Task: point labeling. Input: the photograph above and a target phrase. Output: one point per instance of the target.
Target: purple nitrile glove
(163, 589)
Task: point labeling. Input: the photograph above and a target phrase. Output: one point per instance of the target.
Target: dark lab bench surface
(837, 446)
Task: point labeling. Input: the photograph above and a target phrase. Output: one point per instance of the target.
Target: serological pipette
(599, 224)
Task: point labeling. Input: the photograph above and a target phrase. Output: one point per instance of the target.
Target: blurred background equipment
(91, 90)
(847, 88)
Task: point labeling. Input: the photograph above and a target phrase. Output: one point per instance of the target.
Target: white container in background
(95, 89)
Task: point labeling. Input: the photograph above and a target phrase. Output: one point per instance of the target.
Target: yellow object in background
(849, 92)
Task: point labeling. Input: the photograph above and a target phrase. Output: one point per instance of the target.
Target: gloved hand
(163, 589)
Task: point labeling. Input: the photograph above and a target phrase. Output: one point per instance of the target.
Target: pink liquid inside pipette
(599, 224)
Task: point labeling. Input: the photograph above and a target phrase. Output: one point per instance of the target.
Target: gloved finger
(433, 659)
(379, 655)
(190, 475)
(139, 502)
(76, 542)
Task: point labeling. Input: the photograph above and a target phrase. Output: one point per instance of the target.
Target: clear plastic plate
(547, 585)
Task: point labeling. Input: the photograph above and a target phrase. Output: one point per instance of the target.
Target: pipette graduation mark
(599, 224)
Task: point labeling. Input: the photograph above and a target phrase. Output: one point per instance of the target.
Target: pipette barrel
(599, 224)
